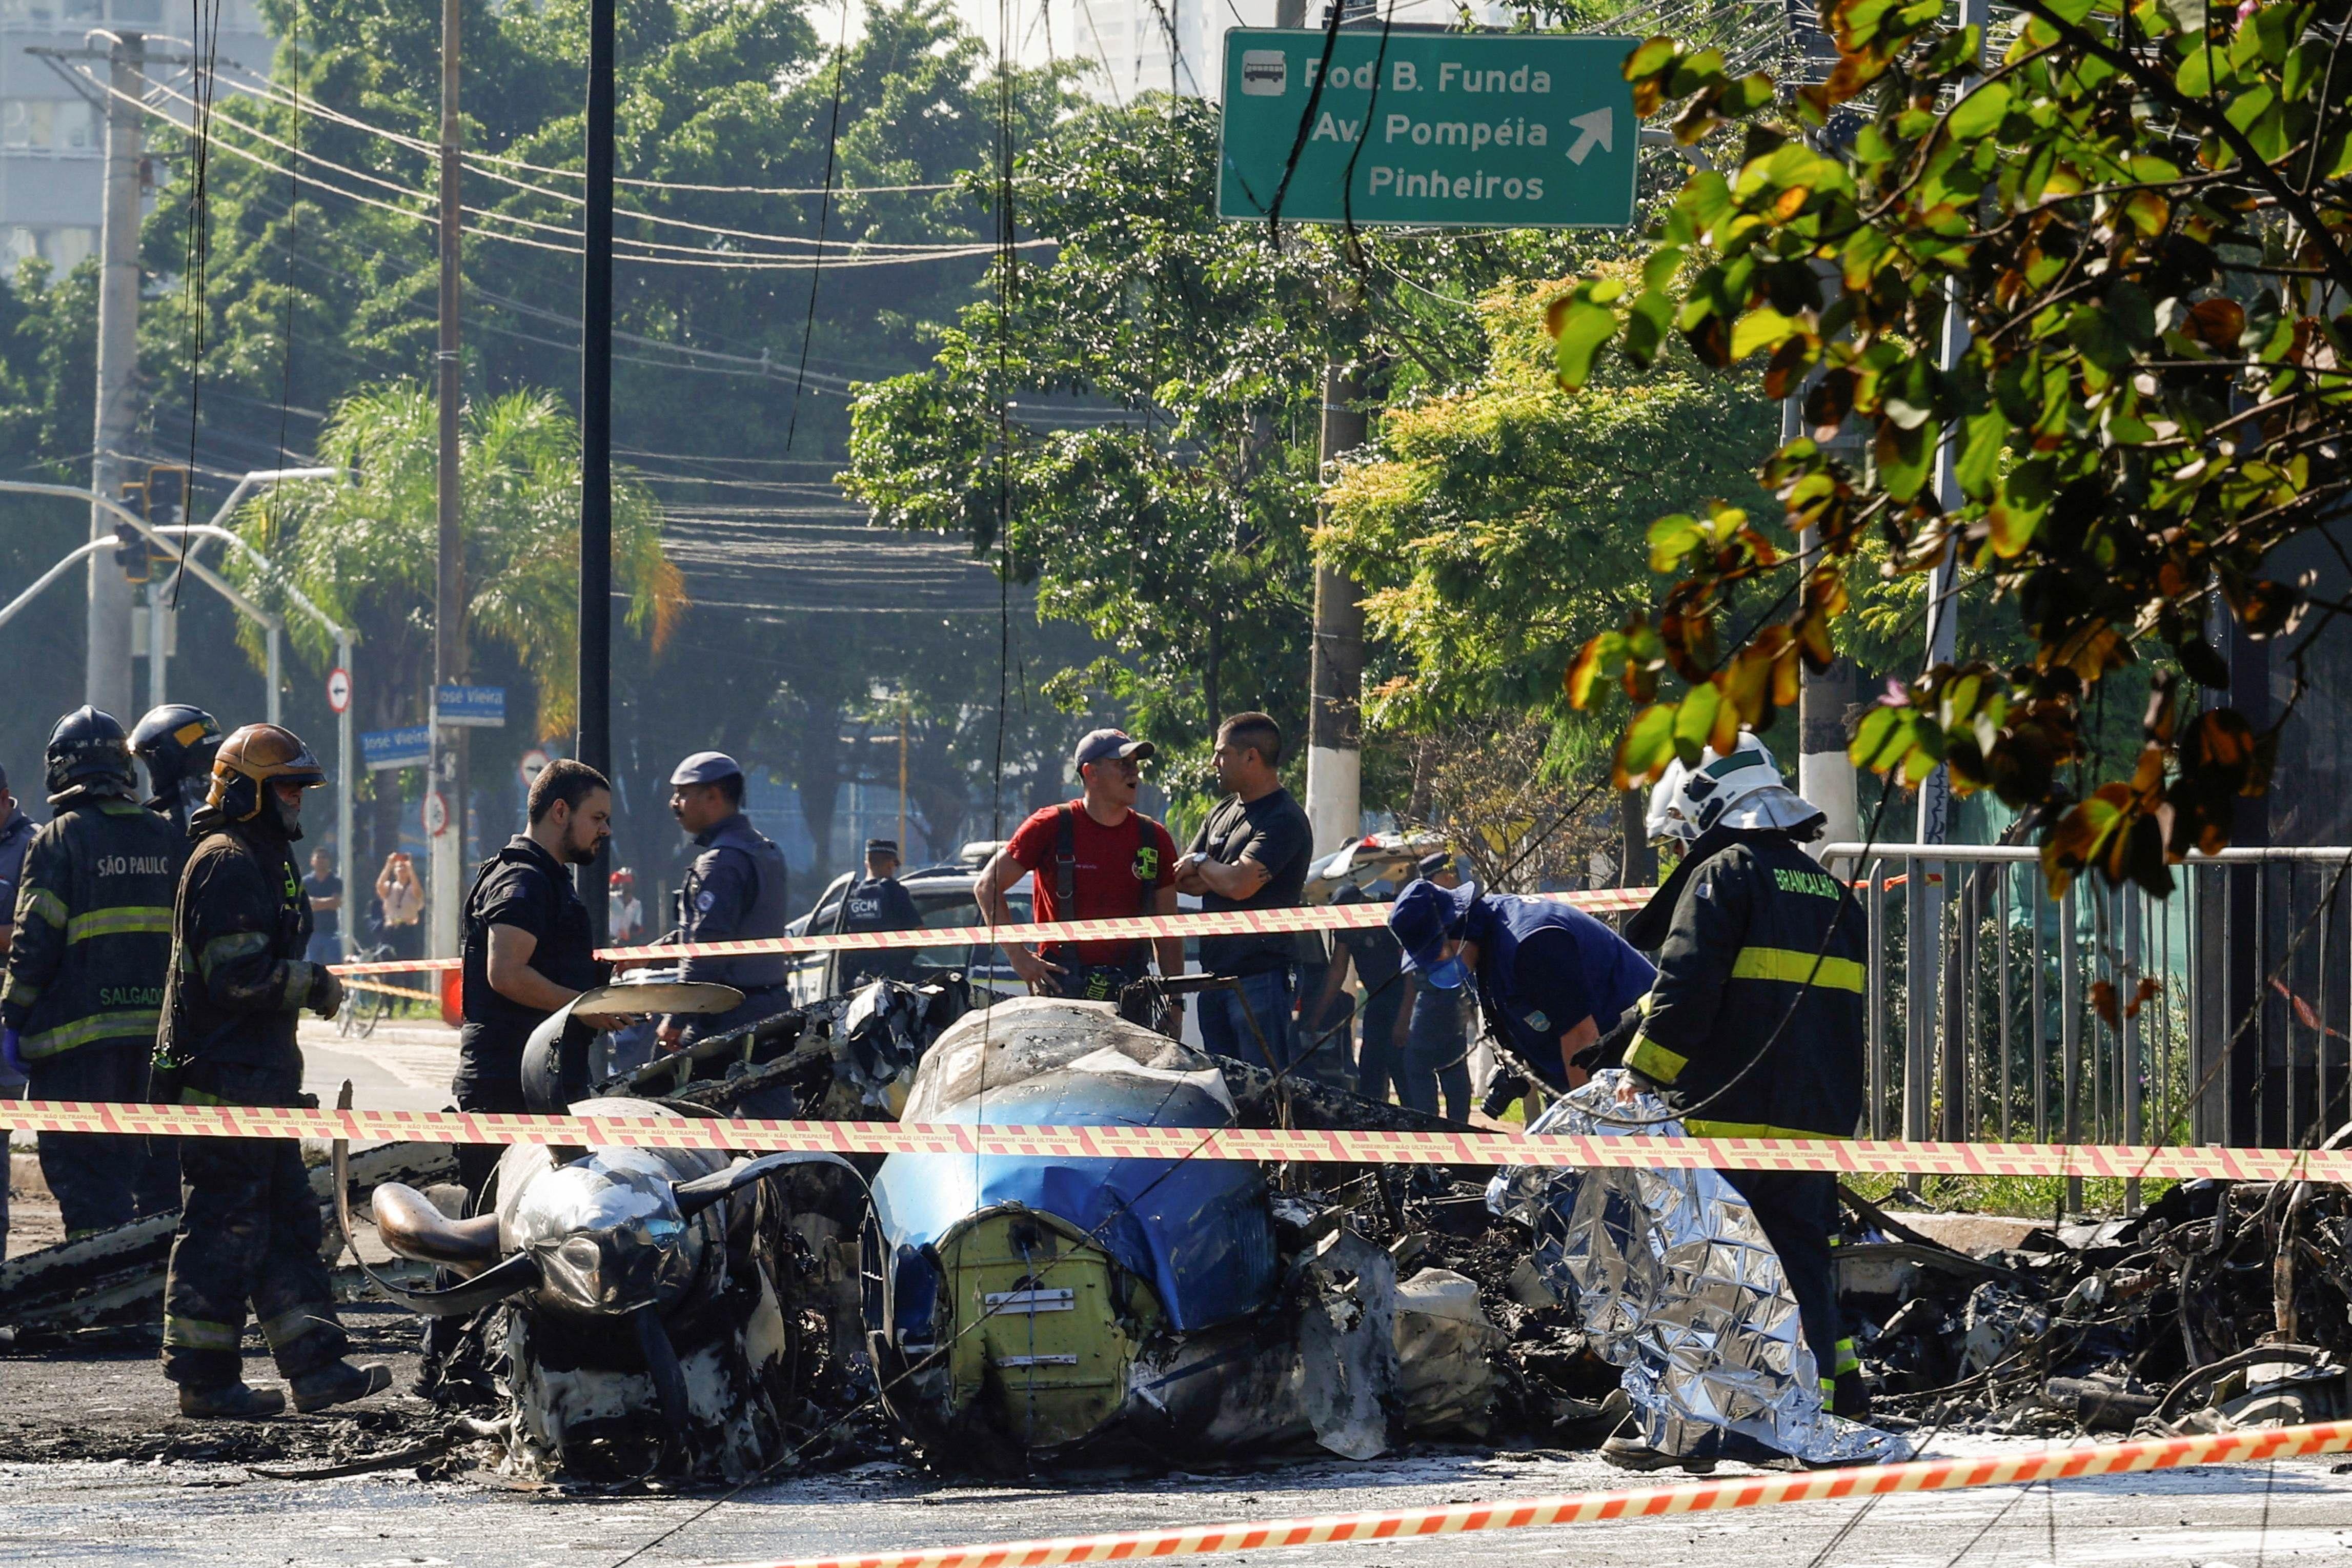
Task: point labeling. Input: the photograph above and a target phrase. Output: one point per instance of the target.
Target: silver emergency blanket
(1674, 1280)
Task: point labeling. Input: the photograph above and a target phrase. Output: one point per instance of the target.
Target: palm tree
(362, 548)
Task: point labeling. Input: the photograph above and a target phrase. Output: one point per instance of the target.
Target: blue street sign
(472, 708)
(410, 747)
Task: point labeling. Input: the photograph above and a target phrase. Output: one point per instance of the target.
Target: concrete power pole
(447, 773)
(1335, 739)
(107, 654)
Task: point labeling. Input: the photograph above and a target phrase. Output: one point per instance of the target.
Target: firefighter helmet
(87, 750)
(257, 754)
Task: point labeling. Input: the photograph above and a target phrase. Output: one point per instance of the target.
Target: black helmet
(177, 741)
(87, 750)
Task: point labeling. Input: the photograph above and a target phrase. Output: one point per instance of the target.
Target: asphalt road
(400, 1067)
(95, 1516)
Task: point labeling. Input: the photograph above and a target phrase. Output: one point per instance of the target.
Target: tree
(2141, 212)
(364, 550)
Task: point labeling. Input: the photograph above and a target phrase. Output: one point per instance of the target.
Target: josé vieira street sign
(1503, 129)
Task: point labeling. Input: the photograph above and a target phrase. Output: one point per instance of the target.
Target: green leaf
(1672, 538)
(2189, 15)
(1584, 326)
(1761, 328)
(1980, 113)
(1982, 439)
(2069, 10)
(1648, 58)
(1693, 718)
(1904, 457)
(1649, 743)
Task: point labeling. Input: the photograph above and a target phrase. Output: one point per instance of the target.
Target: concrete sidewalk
(402, 1066)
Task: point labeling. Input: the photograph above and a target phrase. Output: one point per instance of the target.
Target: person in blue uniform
(877, 901)
(735, 892)
(1550, 979)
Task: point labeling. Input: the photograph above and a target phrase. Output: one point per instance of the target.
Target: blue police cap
(1424, 916)
(882, 847)
(706, 768)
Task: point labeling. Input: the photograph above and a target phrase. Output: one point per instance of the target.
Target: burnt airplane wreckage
(637, 1314)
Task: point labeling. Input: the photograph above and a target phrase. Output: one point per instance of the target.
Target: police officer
(1551, 980)
(86, 968)
(877, 903)
(734, 893)
(177, 742)
(248, 1221)
(1754, 1027)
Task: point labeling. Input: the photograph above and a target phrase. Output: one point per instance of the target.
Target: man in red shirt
(1096, 858)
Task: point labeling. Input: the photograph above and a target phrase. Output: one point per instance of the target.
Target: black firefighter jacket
(1760, 951)
(238, 979)
(93, 928)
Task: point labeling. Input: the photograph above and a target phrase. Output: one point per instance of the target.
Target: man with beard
(528, 950)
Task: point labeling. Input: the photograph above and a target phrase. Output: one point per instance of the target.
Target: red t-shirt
(1111, 867)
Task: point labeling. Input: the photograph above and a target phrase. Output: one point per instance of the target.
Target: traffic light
(167, 497)
(130, 544)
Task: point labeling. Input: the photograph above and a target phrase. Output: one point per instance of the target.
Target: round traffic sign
(436, 815)
(339, 691)
(533, 762)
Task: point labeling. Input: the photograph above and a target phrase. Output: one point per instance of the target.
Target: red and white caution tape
(1599, 1507)
(1325, 1147)
(1207, 923)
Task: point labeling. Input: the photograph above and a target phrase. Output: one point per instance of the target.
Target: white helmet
(1744, 790)
(1662, 820)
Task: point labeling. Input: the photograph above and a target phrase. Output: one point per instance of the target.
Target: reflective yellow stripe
(1846, 1359)
(198, 1333)
(131, 919)
(236, 944)
(21, 992)
(139, 1023)
(40, 901)
(1788, 965)
(288, 1327)
(1654, 1062)
(1698, 1129)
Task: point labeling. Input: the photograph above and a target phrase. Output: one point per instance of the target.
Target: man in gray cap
(735, 892)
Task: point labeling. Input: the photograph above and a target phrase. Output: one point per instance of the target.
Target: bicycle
(364, 1007)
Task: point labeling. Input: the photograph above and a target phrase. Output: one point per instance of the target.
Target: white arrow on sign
(1599, 126)
(339, 689)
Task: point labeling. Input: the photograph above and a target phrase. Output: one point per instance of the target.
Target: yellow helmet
(257, 755)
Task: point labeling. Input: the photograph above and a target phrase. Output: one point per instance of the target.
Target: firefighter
(86, 968)
(1754, 1026)
(177, 741)
(249, 1228)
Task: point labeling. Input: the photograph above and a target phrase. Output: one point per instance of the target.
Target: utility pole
(1335, 734)
(595, 695)
(450, 749)
(1824, 772)
(107, 651)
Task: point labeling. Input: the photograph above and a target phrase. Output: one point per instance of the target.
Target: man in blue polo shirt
(1551, 979)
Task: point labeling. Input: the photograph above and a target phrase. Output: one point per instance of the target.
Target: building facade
(52, 136)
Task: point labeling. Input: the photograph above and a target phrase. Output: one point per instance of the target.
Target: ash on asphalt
(102, 1397)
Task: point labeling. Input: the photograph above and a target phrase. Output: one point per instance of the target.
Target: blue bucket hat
(1423, 917)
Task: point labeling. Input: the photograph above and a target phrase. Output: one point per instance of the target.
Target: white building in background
(52, 142)
(1125, 44)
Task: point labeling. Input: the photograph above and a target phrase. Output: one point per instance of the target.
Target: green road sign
(1500, 129)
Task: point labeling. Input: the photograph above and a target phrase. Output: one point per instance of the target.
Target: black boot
(231, 1402)
(339, 1384)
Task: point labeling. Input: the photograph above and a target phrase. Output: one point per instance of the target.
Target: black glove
(326, 993)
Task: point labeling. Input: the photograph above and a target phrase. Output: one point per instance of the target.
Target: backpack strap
(1065, 862)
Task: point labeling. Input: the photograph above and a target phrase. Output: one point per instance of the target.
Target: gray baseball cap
(1103, 744)
(706, 768)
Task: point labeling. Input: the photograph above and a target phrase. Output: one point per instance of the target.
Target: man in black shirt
(877, 903)
(324, 889)
(527, 951)
(1251, 853)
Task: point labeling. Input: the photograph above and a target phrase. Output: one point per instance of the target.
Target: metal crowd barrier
(2219, 1015)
